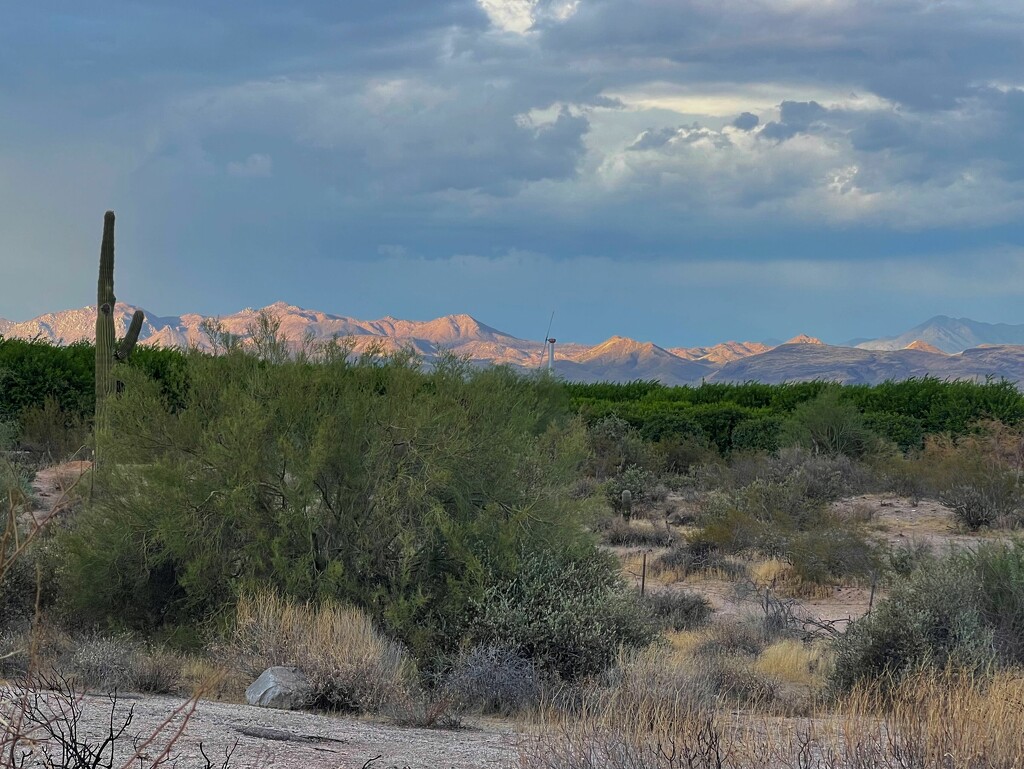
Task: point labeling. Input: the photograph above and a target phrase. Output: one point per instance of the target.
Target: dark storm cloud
(747, 121)
(278, 134)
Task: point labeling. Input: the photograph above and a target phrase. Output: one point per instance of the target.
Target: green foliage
(901, 412)
(828, 425)
(569, 615)
(31, 372)
(614, 445)
(373, 483)
(757, 434)
(777, 518)
(966, 610)
(637, 481)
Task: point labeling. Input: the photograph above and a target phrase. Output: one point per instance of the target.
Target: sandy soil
(273, 739)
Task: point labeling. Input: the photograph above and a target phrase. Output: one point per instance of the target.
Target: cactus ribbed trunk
(105, 301)
(107, 353)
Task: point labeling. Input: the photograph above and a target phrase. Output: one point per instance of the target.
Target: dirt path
(275, 739)
(55, 490)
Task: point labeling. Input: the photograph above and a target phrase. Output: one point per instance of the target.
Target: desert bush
(614, 444)
(695, 555)
(584, 487)
(680, 453)
(351, 665)
(492, 680)
(903, 559)
(776, 519)
(425, 709)
(825, 477)
(635, 479)
(103, 663)
(928, 721)
(568, 616)
(989, 500)
(50, 430)
(828, 425)
(156, 670)
(679, 610)
(17, 593)
(932, 619)
(373, 483)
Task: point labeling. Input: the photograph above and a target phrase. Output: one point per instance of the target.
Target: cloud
(632, 130)
(746, 121)
(256, 165)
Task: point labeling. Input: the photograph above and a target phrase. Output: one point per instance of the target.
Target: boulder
(283, 688)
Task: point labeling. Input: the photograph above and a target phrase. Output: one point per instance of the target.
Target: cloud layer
(252, 151)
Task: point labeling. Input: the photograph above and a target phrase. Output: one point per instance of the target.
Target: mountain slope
(931, 349)
(951, 335)
(850, 365)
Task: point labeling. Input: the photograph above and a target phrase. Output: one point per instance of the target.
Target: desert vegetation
(801, 575)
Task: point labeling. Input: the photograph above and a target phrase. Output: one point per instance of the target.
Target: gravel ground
(313, 741)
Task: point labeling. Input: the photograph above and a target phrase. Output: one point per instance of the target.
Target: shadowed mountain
(951, 335)
(850, 365)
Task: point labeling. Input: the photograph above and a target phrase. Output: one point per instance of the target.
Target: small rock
(283, 688)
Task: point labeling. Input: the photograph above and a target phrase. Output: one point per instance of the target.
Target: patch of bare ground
(276, 739)
(899, 520)
(55, 490)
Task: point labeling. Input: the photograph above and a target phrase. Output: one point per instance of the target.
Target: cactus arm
(128, 343)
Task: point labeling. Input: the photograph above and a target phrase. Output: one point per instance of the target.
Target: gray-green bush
(965, 611)
(570, 616)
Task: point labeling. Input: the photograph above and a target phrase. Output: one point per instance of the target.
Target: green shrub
(569, 616)
(829, 425)
(635, 479)
(778, 519)
(374, 483)
(933, 618)
(757, 434)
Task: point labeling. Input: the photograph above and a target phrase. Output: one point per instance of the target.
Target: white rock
(283, 688)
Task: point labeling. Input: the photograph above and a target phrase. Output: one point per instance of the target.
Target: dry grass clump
(636, 533)
(945, 720)
(351, 665)
(119, 663)
(783, 579)
(794, 662)
(492, 680)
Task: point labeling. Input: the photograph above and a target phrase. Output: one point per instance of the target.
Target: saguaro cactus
(106, 353)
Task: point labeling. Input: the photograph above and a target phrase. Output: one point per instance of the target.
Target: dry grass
(351, 665)
(793, 662)
(784, 581)
(938, 721)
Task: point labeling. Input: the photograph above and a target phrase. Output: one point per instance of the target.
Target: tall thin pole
(551, 355)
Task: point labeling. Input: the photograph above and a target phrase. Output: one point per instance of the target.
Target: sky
(679, 171)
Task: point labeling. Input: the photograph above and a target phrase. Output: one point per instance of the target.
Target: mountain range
(948, 348)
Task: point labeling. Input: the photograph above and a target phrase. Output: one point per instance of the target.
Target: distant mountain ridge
(953, 348)
(951, 335)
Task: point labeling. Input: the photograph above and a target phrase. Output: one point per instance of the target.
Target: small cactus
(627, 504)
(106, 352)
